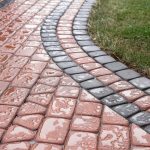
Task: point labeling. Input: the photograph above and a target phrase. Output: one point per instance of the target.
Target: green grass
(122, 28)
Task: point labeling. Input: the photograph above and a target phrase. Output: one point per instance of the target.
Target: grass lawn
(122, 28)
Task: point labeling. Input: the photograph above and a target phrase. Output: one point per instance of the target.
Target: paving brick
(67, 91)
(114, 137)
(17, 133)
(61, 107)
(80, 77)
(89, 108)
(53, 130)
(3, 86)
(84, 140)
(100, 72)
(111, 117)
(14, 96)
(51, 73)
(91, 66)
(104, 59)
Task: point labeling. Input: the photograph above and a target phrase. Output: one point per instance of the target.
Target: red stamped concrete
(41, 108)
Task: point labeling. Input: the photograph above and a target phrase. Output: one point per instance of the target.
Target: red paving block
(84, 60)
(3, 86)
(29, 121)
(40, 57)
(143, 103)
(91, 66)
(114, 137)
(53, 130)
(41, 99)
(4, 57)
(100, 72)
(132, 94)
(29, 108)
(51, 73)
(7, 114)
(14, 96)
(139, 137)
(17, 133)
(62, 107)
(1, 133)
(67, 91)
(81, 140)
(85, 123)
(25, 79)
(89, 108)
(77, 55)
(45, 146)
(111, 117)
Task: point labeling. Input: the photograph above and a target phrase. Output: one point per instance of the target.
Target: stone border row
(3, 3)
(87, 81)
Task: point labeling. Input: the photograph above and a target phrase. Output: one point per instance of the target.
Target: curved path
(79, 97)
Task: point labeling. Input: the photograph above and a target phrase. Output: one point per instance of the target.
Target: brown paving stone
(100, 72)
(8, 74)
(73, 50)
(114, 137)
(51, 81)
(45, 146)
(81, 140)
(34, 67)
(15, 146)
(53, 130)
(10, 48)
(25, 79)
(139, 137)
(86, 97)
(121, 85)
(143, 103)
(29, 108)
(40, 57)
(66, 80)
(69, 45)
(17, 133)
(108, 79)
(26, 51)
(41, 99)
(7, 113)
(3, 86)
(132, 94)
(84, 60)
(4, 57)
(42, 88)
(89, 108)
(14, 96)
(17, 61)
(61, 107)
(85, 123)
(51, 73)
(29, 121)
(91, 66)
(67, 91)
(111, 117)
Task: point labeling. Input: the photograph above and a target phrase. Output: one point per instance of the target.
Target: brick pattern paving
(43, 108)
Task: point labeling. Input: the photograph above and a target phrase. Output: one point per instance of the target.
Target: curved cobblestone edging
(5, 2)
(56, 33)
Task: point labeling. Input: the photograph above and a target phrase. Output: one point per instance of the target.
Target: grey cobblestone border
(87, 81)
(5, 2)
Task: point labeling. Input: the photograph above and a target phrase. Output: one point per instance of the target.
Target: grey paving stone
(53, 48)
(142, 82)
(97, 53)
(56, 53)
(90, 84)
(62, 59)
(50, 44)
(65, 65)
(114, 100)
(115, 66)
(82, 37)
(80, 32)
(74, 70)
(48, 35)
(101, 92)
(78, 27)
(128, 74)
(126, 110)
(49, 39)
(85, 43)
(147, 128)
(141, 118)
(91, 48)
(81, 19)
(147, 91)
(82, 77)
(104, 59)
(80, 23)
